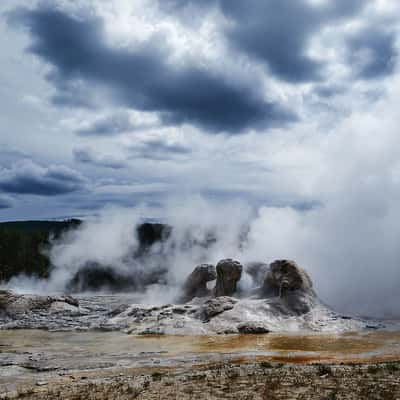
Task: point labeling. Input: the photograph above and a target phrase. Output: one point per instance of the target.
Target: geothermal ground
(82, 351)
(112, 365)
(215, 342)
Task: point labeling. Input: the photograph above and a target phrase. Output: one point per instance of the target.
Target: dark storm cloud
(27, 177)
(372, 53)
(277, 33)
(142, 78)
(5, 203)
(86, 156)
(158, 149)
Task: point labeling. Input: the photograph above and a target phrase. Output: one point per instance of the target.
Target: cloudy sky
(289, 103)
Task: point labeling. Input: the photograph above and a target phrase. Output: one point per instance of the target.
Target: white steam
(350, 252)
(107, 240)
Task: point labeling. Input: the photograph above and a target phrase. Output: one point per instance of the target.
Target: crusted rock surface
(252, 328)
(291, 284)
(286, 301)
(214, 307)
(14, 306)
(229, 273)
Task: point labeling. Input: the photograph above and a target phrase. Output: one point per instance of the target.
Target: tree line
(23, 246)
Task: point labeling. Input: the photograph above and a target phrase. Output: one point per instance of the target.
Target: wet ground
(30, 358)
(60, 350)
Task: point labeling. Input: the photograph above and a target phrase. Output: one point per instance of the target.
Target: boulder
(287, 281)
(299, 302)
(285, 276)
(214, 307)
(196, 283)
(253, 328)
(229, 273)
(15, 305)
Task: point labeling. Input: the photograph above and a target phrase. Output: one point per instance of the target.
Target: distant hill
(33, 226)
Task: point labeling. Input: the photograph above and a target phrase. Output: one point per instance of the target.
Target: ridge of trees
(23, 244)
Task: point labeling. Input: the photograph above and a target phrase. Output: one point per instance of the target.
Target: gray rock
(286, 292)
(285, 276)
(252, 328)
(286, 280)
(118, 310)
(15, 305)
(152, 330)
(214, 307)
(229, 273)
(196, 283)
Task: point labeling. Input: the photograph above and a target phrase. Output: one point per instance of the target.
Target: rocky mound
(291, 284)
(284, 300)
(229, 273)
(284, 276)
(196, 283)
(15, 306)
(286, 285)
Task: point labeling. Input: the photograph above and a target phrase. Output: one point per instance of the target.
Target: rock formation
(229, 273)
(253, 328)
(283, 284)
(214, 307)
(286, 280)
(15, 305)
(285, 276)
(196, 283)
(280, 304)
